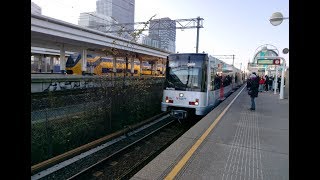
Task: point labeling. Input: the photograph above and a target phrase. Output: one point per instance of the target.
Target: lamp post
(277, 18)
(282, 78)
(275, 86)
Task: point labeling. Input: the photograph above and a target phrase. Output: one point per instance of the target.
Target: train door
(211, 82)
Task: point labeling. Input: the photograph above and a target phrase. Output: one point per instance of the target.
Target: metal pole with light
(275, 83)
(285, 51)
(282, 78)
(277, 18)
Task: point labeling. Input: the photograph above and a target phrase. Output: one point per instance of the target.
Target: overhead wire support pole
(157, 25)
(233, 79)
(233, 60)
(180, 24)
(198, 26)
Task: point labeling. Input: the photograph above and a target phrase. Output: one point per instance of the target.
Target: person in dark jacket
(253, 92)
(266, 83)
(248, 83)
(279, 83)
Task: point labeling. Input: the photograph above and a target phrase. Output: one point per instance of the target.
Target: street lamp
(282, 78)
(277, 18)
(285, 51)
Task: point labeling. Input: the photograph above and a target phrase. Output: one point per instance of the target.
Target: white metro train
(196, 82)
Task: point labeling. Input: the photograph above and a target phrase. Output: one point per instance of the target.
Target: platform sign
(265, 61)
(227, 68)
(268, 61)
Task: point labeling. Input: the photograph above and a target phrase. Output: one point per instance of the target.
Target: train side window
(212, 79)
(70, 60)
(105, 70)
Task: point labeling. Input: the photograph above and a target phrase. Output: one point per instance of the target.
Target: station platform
(231, 142)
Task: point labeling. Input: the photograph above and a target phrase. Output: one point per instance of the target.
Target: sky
(230, 27)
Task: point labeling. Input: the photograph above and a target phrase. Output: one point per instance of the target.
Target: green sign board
(265, 61)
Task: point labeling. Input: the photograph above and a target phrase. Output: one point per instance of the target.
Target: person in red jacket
(261, 84)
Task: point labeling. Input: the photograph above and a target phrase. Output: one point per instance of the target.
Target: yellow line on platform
(187, 156)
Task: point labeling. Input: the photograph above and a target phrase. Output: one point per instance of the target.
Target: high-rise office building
(120, 10)
(35, 9)
(148, 41)
(95, 20)
(102, 23)
(164, 31)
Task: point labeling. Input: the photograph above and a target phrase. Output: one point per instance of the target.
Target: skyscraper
(143, 39)
(35, 9)
(120, 10)
(164, 31)
(95, 21)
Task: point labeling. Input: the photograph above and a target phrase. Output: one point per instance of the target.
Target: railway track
(81, 165)
(129, 160)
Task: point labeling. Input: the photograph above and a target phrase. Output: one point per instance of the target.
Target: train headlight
(181, 94)
(197, 102)
(168, 100)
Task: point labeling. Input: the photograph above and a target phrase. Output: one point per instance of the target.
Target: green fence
(61, 121)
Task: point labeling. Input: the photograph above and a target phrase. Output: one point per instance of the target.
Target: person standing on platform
(271, 83)
(278, 83)
(266, 83)
(253, 82)
(261, 84)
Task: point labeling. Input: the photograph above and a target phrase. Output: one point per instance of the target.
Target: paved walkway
(244, 144)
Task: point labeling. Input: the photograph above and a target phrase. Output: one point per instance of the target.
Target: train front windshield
(186, 72)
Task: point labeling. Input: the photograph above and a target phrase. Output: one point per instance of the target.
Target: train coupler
(179, 114)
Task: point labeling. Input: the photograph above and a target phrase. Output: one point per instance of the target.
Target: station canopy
(262, 53)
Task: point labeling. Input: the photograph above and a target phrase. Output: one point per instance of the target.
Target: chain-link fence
(61, 121)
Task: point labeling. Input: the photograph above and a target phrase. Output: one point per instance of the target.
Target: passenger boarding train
(193, 82)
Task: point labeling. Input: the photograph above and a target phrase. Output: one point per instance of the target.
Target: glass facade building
(164, 31)
(35, 9)
(122, 11)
